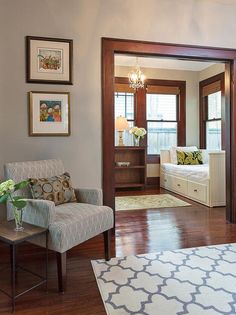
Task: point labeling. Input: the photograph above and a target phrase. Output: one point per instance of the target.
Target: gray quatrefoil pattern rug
(196, 281)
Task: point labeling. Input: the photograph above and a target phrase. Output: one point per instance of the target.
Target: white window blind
(161, 107)
(213, 122)
(214, 105)
(124, 106)
(161, 121)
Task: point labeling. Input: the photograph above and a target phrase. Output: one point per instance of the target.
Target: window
(211, 92)
(159, 108)
(213, 122)
(162, 118)
(124, 106)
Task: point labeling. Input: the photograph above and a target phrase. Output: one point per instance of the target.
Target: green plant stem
(17, 216)
(17, 213)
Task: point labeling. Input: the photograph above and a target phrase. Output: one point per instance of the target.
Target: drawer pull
(165, 180)
(178, 185)
(195, 190)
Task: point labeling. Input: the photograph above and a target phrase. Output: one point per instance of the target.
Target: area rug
(196, 281)
(148, 202)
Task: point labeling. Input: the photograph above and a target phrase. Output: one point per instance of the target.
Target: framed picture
(49, 60)
(49, 113)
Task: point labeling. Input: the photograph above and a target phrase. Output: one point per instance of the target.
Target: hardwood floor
(137, 232)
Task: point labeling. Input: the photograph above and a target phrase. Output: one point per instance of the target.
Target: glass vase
(136, 141)
(18, 216)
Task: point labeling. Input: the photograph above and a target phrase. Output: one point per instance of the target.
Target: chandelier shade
(136, 77)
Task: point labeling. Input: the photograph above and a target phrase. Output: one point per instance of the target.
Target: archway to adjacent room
(112, 46)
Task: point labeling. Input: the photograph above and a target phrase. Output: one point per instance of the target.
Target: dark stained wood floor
(137, 232)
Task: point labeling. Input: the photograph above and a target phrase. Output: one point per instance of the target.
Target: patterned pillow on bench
(189, 158)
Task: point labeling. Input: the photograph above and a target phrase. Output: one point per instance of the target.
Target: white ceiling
(161, 63)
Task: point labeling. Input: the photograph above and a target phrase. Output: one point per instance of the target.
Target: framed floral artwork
(49, 113)
(49, 60)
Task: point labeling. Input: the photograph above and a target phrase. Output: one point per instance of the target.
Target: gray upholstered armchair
(69, 224)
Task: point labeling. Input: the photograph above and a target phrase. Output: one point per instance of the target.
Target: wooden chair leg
(107, 244)
(61, 271)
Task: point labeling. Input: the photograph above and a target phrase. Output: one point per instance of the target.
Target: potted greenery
(7, 190)
(137, 133)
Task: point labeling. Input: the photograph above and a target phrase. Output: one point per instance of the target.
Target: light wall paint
(195, 22)
(211, 71)
(153, 170)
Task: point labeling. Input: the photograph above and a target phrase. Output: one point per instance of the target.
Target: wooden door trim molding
(110, 46)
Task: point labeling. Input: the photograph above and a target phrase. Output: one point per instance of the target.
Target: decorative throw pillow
(189, 158)
(57, 189)
(173, 154)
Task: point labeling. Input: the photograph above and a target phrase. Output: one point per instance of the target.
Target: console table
(9, 236)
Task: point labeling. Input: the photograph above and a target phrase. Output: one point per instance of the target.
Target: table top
(9, 235)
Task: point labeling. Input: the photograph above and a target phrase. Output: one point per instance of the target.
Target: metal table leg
(46, 269)
(13, 241)
(13, 275)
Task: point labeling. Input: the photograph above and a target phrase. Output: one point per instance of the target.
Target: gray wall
(198, 22)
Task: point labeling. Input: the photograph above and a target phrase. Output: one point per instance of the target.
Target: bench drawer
(178, 184)
(197, 191)
(165, 180)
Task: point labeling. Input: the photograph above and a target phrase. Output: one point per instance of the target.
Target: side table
(13, 238)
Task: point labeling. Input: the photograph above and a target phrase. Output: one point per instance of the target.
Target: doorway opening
(167, 110)
(111, 47)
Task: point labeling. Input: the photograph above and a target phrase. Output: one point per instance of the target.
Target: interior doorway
(180, 103)
(113, 46)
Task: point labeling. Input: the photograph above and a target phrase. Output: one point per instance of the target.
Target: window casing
(161, 113)
(155, 119)
(212, 113)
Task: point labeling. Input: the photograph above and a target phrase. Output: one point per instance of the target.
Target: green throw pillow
(57, 189)
(189, 158)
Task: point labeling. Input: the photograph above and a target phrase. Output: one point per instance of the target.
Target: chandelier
(136, 77)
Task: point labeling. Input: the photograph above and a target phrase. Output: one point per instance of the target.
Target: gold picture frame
(49, 113)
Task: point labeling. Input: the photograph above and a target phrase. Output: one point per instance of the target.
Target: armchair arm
(39, 212)
(92, 196)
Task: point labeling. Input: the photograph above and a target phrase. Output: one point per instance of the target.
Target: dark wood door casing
(110, 47)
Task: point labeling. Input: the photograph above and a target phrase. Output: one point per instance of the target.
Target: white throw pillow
(205, 156)
(173, 155)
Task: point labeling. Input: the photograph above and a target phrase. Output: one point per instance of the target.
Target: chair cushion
(75, 223)
(57, 189)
